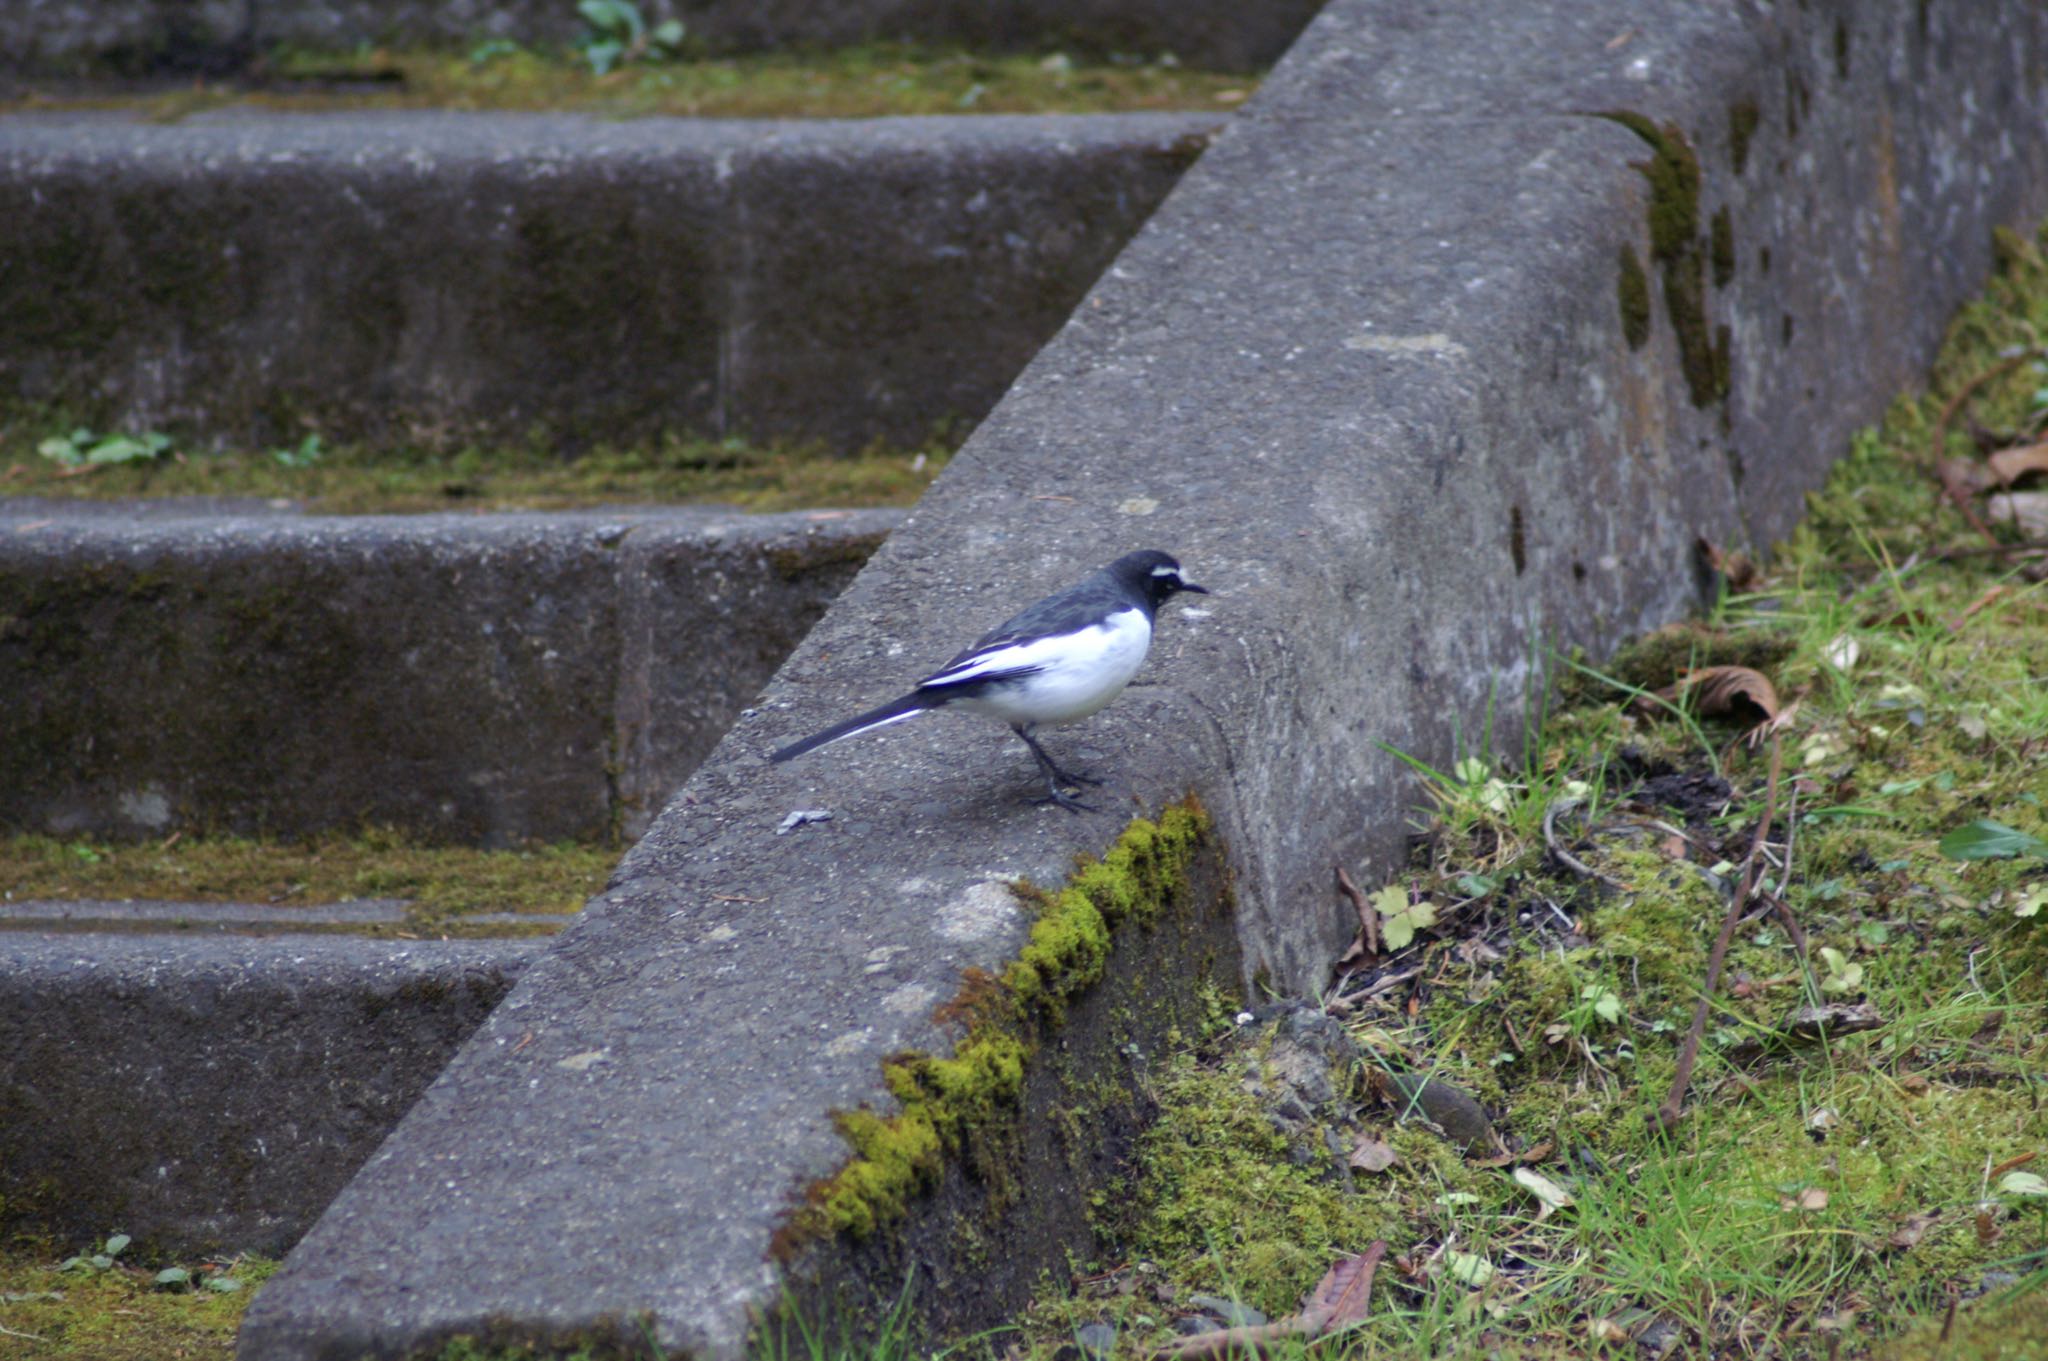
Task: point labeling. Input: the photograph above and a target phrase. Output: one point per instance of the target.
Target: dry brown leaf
(1372, 1154)
(1726, 690)
(1741, 574)
(1812, 1198)
(1911, 1230)
(1988, 1231)
(2010, 465)
(1345, 1292)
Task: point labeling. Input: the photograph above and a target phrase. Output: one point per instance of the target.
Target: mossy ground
(356, 478)
(855, 82)
(119, 1314)
(1816, 1200)
(442, 884)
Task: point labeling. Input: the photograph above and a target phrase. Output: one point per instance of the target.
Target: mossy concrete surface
(1365, 373)
(213, 37)
(438, 277)
(213, 1093)
(481, 680)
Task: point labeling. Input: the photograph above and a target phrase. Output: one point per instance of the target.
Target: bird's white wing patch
(1057, 679)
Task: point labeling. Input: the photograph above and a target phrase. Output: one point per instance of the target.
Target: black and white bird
(1059, 660)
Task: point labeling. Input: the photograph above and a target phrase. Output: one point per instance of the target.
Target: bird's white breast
(1079, 673)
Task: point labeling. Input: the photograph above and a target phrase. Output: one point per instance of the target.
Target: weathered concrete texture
(221, 36)
(209, 1093)
(439, 277)
(1368, 372)
(480, 679)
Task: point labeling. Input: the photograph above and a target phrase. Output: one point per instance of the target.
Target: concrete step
(438, 278)
(469, 679)
(212, 1091)
(356, 916)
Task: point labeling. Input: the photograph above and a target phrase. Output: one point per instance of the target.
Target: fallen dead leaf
(2010, 465)
(1345, 1291)
(1551, 1196)
(1741, 573)
(1811, 1199)
(1372, 1154)
(1726, 690)
(1911, 1230)
(1527, 1155)
(1988, 1231)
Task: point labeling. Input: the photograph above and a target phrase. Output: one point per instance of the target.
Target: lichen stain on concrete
(986, 909)
(1436, 345)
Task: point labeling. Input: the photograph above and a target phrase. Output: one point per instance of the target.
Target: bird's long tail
(895, 711)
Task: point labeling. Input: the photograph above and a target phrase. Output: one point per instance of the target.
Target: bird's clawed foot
(1065, 800)
(1057, 780)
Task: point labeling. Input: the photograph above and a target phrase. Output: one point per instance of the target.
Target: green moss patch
(958, 1106)
(856, 82)
(121, 1313)
(351, 479)
(441, 884)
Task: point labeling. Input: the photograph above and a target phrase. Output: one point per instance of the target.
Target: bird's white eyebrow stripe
(1166, 571)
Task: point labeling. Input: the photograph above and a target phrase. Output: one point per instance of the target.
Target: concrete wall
(1376, 372)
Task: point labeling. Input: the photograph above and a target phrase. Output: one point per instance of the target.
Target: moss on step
(365, 479)
(853, 82)
(441, 884)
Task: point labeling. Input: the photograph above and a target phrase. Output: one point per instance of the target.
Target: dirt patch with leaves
(1713, 1025)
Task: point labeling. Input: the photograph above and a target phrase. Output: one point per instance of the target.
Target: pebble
(1096, 1339)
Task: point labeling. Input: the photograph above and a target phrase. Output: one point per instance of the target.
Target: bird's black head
(1153, 576)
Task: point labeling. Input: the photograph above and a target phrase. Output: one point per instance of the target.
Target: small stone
(1096, 1339)
(1194, 1325)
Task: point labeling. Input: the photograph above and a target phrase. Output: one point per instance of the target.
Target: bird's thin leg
(1055, 777)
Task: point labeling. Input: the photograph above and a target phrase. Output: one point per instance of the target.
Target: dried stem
(1368, 920)
(1672, 1111)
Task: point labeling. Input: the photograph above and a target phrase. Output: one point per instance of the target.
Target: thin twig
(33, 1337)
(1957, 490)
(1672, 1111)
(1368, 920)
(1791, 836)
(1564, 857)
